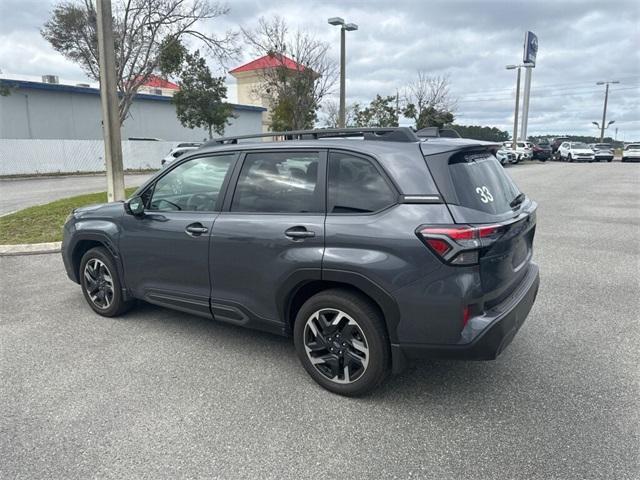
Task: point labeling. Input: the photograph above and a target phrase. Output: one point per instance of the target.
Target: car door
(269, 235)
(165, 250)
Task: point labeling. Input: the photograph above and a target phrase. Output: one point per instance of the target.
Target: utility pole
(344, 27)
(604, 110)
(514, 142)
(109, 101)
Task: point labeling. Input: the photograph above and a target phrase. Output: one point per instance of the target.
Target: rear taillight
(459, 244)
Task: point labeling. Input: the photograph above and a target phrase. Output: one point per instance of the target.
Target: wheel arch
(349, 281)
(86, 242)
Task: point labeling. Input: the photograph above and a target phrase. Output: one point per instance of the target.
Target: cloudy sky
(580, 43)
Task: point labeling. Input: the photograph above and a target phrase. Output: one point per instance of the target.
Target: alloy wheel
(99, 283)
(336, 345)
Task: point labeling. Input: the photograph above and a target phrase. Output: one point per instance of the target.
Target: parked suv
(631, 153)
(575, 151)
(541, 152)
(370, 252)
(602, 151)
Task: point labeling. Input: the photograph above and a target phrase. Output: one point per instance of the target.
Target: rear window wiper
(515, 203)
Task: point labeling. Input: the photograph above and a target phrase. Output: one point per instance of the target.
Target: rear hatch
(483, 198)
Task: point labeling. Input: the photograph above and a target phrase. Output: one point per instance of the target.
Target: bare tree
(143, 31)
(331, 110)
(302, 76)
(428, 97)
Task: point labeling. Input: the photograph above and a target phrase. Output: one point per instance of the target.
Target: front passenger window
(191, 186)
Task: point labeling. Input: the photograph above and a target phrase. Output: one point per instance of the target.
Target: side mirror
(134, 206)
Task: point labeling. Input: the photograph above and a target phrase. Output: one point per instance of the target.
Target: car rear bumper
(490, 334)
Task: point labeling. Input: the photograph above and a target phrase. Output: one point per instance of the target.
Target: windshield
(633, 147)
(602, 146)
(579, 145)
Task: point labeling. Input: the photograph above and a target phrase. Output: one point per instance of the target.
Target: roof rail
(390, 134)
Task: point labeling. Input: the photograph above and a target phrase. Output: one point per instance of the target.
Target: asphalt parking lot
(19, 193)
(161, 394)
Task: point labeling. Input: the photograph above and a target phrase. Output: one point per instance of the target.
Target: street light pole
(109, 101)
(344, 27)
(514, 142)
(604, 110)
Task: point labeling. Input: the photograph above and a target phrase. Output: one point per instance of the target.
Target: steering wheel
(198, 200)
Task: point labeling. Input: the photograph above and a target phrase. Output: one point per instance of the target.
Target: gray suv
(371, 247)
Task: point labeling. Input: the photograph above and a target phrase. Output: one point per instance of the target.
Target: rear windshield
(480, 183)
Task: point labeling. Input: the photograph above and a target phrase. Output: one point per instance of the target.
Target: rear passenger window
(281, 182)
(356, 186)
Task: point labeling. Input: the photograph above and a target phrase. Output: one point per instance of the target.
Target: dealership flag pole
(109, 100)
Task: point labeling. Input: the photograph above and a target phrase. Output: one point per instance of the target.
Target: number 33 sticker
(485, 194)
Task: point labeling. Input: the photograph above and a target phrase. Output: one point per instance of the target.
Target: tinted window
(356, 186)
(191, 186)
(282, 182)
(481, 183)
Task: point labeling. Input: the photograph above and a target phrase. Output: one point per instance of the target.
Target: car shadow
(431, 381)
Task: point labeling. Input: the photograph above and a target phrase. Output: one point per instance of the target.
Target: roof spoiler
(433, 132)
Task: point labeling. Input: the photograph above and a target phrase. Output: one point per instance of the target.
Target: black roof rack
(391, 134)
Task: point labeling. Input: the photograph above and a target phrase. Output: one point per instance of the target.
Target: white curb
(30, 248)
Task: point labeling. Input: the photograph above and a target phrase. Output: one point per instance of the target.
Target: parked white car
(631, 153)
(576, 151)
(179, 150)
(602, 151)
(522, 152)
(506, 155)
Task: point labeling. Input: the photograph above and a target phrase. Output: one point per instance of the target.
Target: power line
(555, 86)
(563, 94)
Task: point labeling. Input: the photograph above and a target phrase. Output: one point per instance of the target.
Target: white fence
(33, 157)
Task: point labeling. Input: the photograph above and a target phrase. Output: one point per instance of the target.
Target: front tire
(569, 158)
(101, 285)
(341, 341)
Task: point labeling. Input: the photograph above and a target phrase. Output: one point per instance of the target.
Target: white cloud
(581, 42)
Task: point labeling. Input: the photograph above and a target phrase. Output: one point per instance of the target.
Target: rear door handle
(299, 232)
(196, 229)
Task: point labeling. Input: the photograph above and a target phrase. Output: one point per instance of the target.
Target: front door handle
(299, 232)
(196, 229)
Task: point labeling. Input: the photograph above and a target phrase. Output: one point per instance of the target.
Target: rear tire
(100, 283)
(341, 340)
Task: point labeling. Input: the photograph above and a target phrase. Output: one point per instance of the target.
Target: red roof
(269, 61)
(159, 82)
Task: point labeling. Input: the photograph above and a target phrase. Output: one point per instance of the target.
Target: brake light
(440, 246)
(459, 244)
(466, 314)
